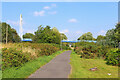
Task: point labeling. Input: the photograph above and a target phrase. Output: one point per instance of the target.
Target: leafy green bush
(21, 53)
(112, 57)
(90, 50)
(13, 58)
(47, 50)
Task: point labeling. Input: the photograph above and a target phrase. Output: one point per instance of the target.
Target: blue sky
(71, 18)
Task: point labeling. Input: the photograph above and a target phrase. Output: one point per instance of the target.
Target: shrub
(13, 58)
(112, 57)
(90, 50)
(21, 53)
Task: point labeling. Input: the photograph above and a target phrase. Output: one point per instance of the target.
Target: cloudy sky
(71, 18)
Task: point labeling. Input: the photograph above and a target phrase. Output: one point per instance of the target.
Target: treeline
(12, 34)
(106, 46)
(42, 35)
(111, 38)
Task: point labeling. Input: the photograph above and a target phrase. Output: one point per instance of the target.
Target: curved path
(58, 67)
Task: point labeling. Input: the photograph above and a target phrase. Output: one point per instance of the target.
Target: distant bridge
(70, 41)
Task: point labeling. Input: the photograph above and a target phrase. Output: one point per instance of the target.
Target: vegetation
(28, 68)
(16, 57)
(106, 46)
(12, 34)
(28, 35)
(81, 66)
(64, 37)
(112, 57)
(86, 36)
(47, 35)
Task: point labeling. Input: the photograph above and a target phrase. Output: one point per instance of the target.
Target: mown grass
(80, 68)
(29, 67)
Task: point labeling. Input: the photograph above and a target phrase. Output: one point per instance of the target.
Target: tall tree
(47, 35)
(86, 36)
(117, 32)
(100, 37)
(64, 37)
(12, 34)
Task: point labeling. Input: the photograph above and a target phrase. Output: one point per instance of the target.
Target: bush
(13, 58)
(90, 50)
(21, 53)
(47, 50)
(112, 57)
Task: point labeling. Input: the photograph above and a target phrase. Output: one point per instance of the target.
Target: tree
(28, 35)
(100, 37)
(101, 40)
(12, 34)
(117, 32)
(86, 36)
(47, 35)
(64, 37)
(16, 37)
(110, 38)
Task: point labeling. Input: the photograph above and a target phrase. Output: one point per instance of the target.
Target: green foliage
(13, 58)
(112, 57)
(46, 35)
(16, 56)
(64, 37)
(28, 68)
(86, 36)
(100, 37)
(117, 32)
(28, 35)
(110, 38)
(90, 50)
(12, 34)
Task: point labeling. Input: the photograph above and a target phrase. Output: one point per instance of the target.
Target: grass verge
(29, 67)
(80, 68)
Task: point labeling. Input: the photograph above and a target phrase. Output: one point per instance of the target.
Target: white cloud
(102, 32)
(40, 13)
(53, 5)
(46, 7)
(15, 23)
(72, 20)
(53, 12)
(64, 31)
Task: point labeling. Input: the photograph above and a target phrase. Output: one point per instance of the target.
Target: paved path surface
(58, 67)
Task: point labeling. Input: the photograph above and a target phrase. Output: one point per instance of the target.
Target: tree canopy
(86, 36)
(47, 35)
(28, 35)
(100, 37)
(12, 34)
(64, 37)
(117, 32)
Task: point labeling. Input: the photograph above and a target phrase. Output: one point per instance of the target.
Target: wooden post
(6, 33)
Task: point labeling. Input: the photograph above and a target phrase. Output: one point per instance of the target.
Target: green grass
(80, 68)
(29, 67)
